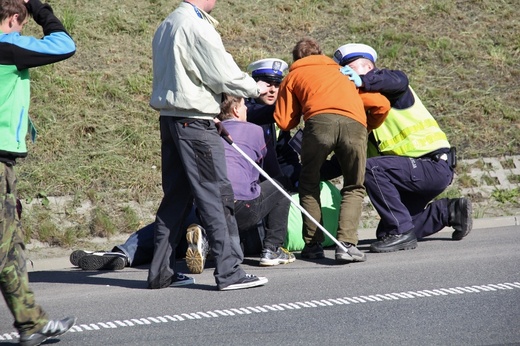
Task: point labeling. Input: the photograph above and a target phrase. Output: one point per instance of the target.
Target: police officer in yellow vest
(410, 161)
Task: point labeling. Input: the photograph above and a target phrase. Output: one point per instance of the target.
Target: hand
(352, 75)
(221, 129)
(263, 87)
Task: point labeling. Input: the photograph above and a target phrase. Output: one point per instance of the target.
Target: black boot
(395, 242)
(459, 217)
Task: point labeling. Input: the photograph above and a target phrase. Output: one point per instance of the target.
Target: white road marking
(375, 298)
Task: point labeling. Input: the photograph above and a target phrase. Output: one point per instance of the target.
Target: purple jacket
(243, 176)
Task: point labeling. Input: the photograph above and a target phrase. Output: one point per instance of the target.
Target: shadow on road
(78, 276)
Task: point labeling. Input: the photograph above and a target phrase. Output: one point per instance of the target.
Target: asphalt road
(442, 293)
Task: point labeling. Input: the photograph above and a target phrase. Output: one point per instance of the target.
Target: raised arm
(54, 46)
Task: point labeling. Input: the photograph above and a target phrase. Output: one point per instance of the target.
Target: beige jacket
(191, 68)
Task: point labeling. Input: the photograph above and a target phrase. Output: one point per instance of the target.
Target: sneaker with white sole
(247, 281)
(273, 258)
(181, 280)
(353, 254)
(52, 329)
(103, 261)
(198, 248)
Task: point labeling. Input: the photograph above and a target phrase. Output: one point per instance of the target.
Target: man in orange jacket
(336, 117)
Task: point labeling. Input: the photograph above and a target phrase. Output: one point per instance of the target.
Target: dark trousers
(347, 138)
(288, 160)
(400, 189)
(194, 170)
(138, 248)
(273, 207)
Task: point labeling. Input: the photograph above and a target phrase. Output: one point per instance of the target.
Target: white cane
(228, 139)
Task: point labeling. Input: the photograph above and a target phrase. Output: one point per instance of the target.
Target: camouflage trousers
(14, 280)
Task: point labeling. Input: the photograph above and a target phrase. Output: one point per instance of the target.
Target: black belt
(450, 157)
(438, 157)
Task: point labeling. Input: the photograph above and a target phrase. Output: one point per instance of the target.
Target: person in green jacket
(18, 53)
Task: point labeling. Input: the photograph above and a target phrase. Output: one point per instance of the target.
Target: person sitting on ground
(410, 161)
(254, 201)
(336, 120)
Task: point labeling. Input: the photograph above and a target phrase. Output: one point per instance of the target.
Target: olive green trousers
(14, 280)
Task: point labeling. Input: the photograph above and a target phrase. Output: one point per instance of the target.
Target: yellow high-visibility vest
(411, 132)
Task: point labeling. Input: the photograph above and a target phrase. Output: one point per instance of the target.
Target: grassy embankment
(98, 146)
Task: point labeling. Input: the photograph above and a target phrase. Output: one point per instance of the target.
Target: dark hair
(226, 106)
(305, 47)
(9, 8)
(269, 79)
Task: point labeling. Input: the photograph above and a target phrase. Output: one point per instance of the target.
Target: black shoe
(52, 329)
(312, 251)
(395, 242)
(459, 217)
(76, 255)
(246, 281)
(103, 261)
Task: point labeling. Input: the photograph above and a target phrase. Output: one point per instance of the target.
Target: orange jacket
(315, 85)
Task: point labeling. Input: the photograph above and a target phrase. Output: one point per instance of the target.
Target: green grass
(98, 138)
(505, 196)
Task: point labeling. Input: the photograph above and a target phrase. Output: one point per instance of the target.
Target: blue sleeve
(27, 51)
(393, 84)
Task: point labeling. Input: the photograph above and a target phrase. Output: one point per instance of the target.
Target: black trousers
(273, 207)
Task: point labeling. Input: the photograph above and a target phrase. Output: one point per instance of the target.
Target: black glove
(221, 129)
(223, 132)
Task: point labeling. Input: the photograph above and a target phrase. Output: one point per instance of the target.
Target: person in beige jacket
(191, 70)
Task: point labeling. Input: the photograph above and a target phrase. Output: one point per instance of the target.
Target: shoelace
(285, 250)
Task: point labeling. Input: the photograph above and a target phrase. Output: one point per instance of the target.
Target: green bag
(330, 202)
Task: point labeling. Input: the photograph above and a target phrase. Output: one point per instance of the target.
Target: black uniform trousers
(401, 189)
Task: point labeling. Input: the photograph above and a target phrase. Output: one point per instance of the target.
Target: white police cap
(347, 53)
(270, 70)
